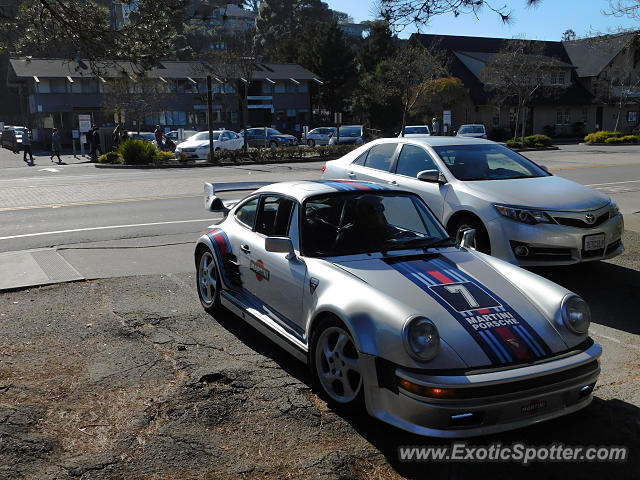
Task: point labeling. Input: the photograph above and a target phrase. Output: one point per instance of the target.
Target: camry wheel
(336, 366)
(208, 281)
(464, 223)
(311, 142)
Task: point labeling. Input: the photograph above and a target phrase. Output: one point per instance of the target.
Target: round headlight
(421, 338)
(576, 314)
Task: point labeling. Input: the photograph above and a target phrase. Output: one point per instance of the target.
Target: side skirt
(266, 326)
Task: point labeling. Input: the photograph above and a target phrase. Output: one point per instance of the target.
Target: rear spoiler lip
(213, 203)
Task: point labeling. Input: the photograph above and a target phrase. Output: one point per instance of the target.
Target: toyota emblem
(590, 218)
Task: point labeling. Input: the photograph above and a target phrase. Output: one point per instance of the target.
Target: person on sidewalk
(56, 145)
(95, 143)
(116, 136)
(158, 134)
(26, 145)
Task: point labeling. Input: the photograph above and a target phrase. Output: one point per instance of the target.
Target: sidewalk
(41, 158)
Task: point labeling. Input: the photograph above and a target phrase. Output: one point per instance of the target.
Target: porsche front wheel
(336, 368)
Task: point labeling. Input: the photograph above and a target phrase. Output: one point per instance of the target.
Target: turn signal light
(423, 391)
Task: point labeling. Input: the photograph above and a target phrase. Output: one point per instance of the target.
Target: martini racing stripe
(504, 336)
(222, 248)
(351, 186)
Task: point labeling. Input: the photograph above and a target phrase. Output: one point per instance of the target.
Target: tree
(443, 93)
(402, 13)
(378, 46)
(374, 104)
(516, 73)
(624, 8)
(83, 29)
(568, 35)
(135, 95)
(409, 72)
(327, 54)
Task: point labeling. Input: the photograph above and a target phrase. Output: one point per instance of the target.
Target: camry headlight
(524, 215)
(575, 314)
(613, 209)
(421, 338)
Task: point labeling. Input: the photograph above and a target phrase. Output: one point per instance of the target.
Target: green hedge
(137, 152)
(532, 141)
(110, 157)
(601, 136)
(266, 155)
(625, 139)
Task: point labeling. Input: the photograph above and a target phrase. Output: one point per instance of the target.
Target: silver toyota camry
(521, 212)
(362, 283)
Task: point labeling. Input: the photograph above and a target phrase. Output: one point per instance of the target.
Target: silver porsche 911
(362, 283)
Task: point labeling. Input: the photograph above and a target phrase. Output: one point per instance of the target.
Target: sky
(545, 22)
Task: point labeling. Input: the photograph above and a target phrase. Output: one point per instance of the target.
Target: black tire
(468, 221)
(311, 142)
(273, 144)
(208, 284)
(334, 391)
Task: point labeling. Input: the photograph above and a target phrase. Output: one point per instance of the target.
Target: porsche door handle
(245, 248)
(351, 175)
(394, 183)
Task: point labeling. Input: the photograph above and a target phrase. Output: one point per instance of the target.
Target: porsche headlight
(524, 215)
(421, 338)
(613, 209)
(575, 314)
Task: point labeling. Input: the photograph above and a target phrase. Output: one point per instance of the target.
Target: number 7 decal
(461, 289)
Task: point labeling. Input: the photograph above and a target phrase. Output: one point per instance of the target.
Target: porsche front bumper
(457, 406)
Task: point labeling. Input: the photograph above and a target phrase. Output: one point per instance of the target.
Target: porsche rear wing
(214, 203)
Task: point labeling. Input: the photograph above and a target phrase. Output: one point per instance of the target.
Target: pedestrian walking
(158, 134)
(332, 138)
(56, 145)
(124, 135)
(116, 136)
(26, 145)
(95, 143)
(435, 127)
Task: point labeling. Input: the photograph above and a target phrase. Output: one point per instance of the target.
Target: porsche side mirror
(431, 176)
(280, 245)
(467, 238)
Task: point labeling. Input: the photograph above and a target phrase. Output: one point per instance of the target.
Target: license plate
(594, 242)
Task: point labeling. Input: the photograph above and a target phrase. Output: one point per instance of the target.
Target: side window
(246, 214)
(274, 216)
(361, 159)
(233, 135)
(380, 156)
(412, 160)
(225, 136)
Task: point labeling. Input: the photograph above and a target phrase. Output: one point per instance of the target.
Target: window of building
(562, 117)
(267, 88)
(43, 86)
(561, 78)
(632, 117)
(76, 86)
(291, 87)
(303, 87)
(89, 85)
(58, 85)
(279, 87)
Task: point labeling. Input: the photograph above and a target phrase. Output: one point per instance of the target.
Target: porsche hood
(478, 312)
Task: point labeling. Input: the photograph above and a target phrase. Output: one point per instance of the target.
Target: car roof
(302, 189)
(432, 141)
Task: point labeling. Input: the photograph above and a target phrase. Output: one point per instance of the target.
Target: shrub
(163, 157)
(110, 157)
(137, 152)
(511, 143)
(537, 141)
(600, 137)
(613, 140)
(279, 154)
(630, 139)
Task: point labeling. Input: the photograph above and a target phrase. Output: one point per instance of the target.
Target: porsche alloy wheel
(208, 281)
(336, 365)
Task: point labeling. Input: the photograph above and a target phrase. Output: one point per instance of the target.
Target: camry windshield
(487, 162)
(205, 136)
(416, 130)
(365, 222)
(471, 129)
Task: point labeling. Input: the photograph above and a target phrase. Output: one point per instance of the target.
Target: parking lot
(127, 377)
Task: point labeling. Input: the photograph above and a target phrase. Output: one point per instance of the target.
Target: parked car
(196, 147)
(411, 131)
(256, 138)
(320, 136)
(352, 134)
(12, 137)
(522, 213)
(361, 282)
(146, 136)
(174, 135)
(472, 131)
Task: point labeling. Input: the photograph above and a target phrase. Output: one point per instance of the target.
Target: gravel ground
(128, 378)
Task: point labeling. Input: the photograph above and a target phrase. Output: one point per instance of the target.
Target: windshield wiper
(424, 243)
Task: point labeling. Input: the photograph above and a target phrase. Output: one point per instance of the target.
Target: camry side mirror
(432, 176)
(467, 238)
(280, 245)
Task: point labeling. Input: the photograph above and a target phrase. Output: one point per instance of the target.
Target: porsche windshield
(364, 222)
(487, 162)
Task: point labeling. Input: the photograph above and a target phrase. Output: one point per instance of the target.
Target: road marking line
(95, 202)
(596, 166)
(612, 183)
(39, 234)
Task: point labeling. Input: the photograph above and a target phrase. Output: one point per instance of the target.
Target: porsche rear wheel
(335, 365)
(208, 281)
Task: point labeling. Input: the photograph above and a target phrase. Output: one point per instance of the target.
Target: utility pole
(210, 116)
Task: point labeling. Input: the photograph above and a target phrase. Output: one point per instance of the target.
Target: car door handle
(351, 175)
(394, 183)
(245, 248)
